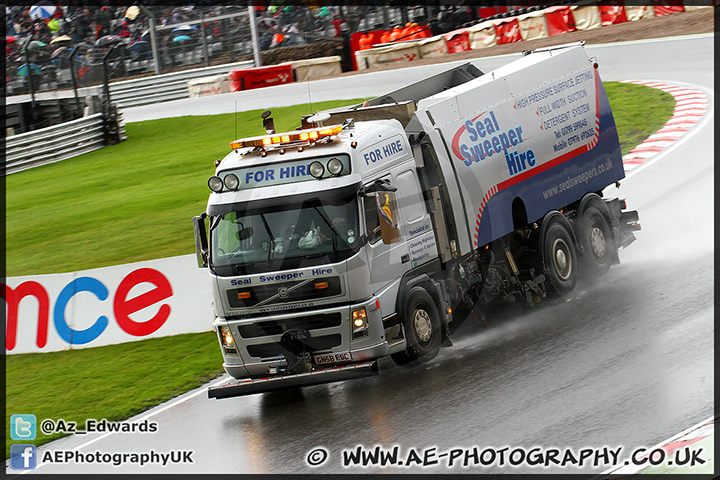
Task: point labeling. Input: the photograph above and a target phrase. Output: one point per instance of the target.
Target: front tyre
(422, 329)
(559, 258)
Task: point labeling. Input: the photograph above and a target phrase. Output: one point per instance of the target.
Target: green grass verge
(133, 202)
(639, 111)
(114, 382)
(128, 202)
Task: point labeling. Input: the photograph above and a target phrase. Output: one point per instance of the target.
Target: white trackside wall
(104, 306)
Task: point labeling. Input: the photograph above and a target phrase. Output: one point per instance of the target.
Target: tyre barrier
(507, 28)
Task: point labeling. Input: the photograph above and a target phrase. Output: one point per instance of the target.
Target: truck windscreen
(284, 236)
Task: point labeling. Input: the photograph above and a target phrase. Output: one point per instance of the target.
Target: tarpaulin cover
(482, 35)
(507, 31)
(532, 25)
(209, 86)
(457, 40)
(250, 78)
(661, 8)
(433, 47)
(402, 52)
(638, 13)
(315, 67)
(559, 20)
(612, 14)
(586, 16)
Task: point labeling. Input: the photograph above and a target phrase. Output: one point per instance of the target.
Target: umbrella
(57, 52)
(42, 11)
(107, 40)
(132, 12)
(36, 44)
(10, 39)
(63, 38)
(184, 28)
(139, 46)
(23, 69)
(181, 38)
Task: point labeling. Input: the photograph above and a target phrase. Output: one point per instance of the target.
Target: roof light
(335, 166)
(288, 137)
(215, 183)
(231, 181)
(316, 169)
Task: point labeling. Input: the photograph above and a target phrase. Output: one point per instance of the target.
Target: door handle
(405, 258)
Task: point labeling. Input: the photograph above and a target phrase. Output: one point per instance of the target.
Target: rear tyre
(422, 329)
(559, 258)
(596, 240)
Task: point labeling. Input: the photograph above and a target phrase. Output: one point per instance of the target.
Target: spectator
(337, 21)
(102, 19)
(365, 41)
(81, 26)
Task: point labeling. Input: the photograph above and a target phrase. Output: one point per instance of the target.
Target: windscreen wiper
(336, 235)
(272, 237)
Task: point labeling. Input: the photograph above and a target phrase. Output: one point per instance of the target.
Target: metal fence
(158, 40)
(60, 142)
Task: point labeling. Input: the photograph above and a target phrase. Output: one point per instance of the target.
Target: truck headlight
(360, 325)
(231, 181)
(316, 169)
(215, 183)
(335, 166)
(227, 340)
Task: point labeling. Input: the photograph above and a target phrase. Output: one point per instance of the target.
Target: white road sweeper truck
(374, 230)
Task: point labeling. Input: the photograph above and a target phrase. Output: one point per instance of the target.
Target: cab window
(372, 222)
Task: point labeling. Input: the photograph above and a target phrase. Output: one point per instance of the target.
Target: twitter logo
(23, 427)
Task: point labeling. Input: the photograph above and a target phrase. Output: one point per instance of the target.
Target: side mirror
(245, 233)
(382, 185)
(201, 241)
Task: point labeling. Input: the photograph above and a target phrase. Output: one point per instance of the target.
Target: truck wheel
(596, 240)
(559, 258)
(422, 329)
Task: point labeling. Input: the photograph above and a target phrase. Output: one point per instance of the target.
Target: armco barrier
(165, 87)
(105, 306)
(55, 143)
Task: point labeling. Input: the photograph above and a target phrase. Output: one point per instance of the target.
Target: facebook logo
(23, 457)
(23, 427)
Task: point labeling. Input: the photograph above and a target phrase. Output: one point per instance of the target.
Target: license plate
(332, 358)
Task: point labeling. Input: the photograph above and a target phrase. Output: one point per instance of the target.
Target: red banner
(559, 20)
(508, 31)
(457, 40)
(667, 7)
(612, 13)
(259, 77)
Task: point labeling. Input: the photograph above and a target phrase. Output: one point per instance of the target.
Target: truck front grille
(274, 349)
(286, 292)
(278, 327)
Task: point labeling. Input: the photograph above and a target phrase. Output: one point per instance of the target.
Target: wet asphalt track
(626, 362)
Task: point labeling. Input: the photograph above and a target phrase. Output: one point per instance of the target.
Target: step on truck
(374, 230)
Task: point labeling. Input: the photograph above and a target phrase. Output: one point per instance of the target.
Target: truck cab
(308, 241)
